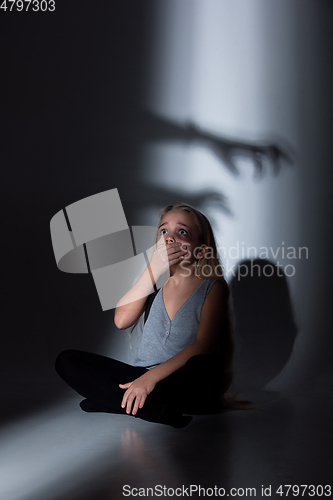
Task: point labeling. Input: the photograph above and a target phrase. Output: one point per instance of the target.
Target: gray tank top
(163, 338)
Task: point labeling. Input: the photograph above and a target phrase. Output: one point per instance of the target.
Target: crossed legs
(97, 379)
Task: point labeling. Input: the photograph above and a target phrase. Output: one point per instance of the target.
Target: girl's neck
(179, 276)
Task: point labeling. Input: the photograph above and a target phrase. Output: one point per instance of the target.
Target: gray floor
(62, 453)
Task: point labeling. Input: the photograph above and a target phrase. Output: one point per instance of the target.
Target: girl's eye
(182, 231)
(163, 230)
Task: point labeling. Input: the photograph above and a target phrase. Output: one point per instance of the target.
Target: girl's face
(178, 226)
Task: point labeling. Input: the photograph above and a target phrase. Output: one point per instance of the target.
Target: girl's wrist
(152, 275)
(153, 374)
(154, 272)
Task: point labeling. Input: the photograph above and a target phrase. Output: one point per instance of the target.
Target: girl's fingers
(176, 257)
(125, 398)
(138, 401)
(173, 247)
(177, 254)
(125, 386)
(123, 403)
(173, 255)
(160, 244)
(127, 393)
(129, 403)
(175, 261)
(142, 401)
(170, 248)
(136, 406)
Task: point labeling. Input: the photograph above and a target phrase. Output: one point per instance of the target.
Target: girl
(183, 364)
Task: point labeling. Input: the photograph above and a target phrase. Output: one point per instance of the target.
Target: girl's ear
(201, 253)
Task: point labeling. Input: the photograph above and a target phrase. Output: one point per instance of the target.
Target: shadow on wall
(143, 127)
(265, 328)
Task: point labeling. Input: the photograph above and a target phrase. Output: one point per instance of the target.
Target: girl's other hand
(137, 392)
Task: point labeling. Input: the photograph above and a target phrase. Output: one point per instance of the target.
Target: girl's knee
(203, 368)
(64, 360)
(203, 360)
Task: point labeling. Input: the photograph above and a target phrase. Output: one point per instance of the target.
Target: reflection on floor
(66, 454)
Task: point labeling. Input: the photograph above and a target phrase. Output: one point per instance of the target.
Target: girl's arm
(132, 304)
(212, 317)
(130, 308)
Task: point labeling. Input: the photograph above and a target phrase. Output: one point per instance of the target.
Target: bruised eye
(182, 231)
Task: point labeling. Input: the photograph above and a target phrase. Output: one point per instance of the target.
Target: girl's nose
(169, 239)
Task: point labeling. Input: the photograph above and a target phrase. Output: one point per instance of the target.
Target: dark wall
(71, 83)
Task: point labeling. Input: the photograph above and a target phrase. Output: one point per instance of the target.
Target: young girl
(183, 364)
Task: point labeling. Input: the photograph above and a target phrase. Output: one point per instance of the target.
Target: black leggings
(193, 388)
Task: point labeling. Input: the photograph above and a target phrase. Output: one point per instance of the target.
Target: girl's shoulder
(218, 283)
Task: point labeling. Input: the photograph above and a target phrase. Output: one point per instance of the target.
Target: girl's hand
(165, 256)
(137, 392)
